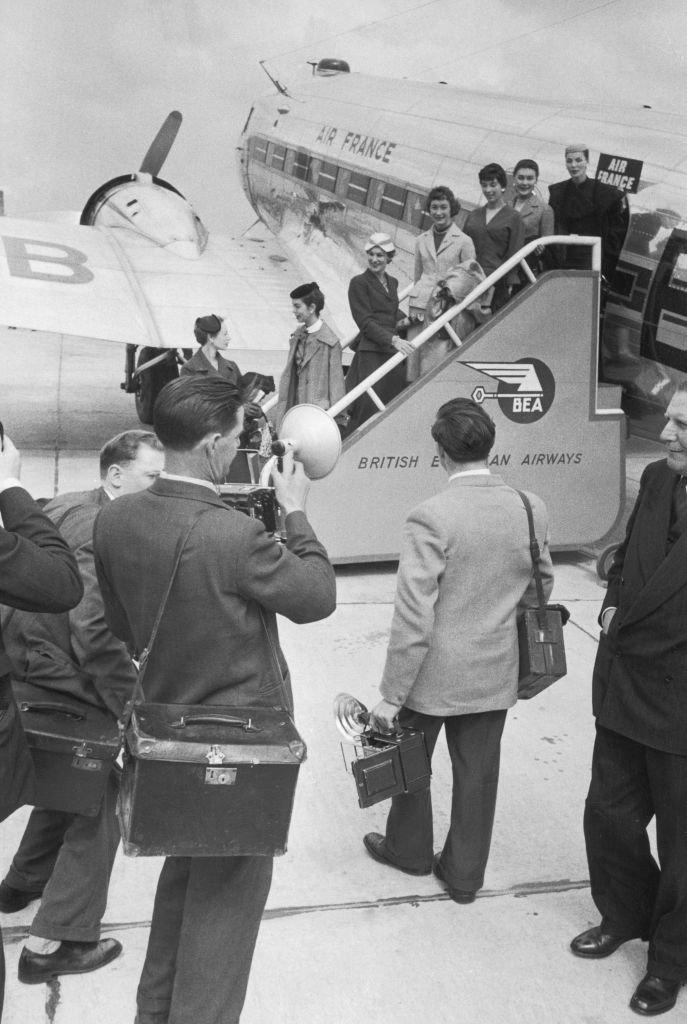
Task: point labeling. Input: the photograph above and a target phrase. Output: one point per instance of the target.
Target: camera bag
(540, 632)
(73, 746)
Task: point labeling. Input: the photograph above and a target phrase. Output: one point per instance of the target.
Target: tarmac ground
(345, 939)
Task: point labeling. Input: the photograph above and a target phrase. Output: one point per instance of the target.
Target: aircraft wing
(115, 285)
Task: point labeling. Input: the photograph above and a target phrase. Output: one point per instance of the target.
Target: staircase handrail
(518, 258)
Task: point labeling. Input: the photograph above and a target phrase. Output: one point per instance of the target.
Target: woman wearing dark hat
(313, 371)
(437, 251)
(373, 298)
(213, 337)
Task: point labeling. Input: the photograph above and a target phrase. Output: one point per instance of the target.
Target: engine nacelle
(150, 207)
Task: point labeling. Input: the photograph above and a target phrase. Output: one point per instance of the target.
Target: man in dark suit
(67, 858)
(37, 572)
(217, 643)
(639, 767)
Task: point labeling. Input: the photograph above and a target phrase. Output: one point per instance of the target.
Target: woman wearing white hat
(373, 298)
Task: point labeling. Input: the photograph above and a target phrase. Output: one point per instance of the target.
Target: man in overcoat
(639, 766)
(464, 574)
(217, 643)
(37, 572)
(66, 859)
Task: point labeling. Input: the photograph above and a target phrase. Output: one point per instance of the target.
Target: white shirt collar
(471, 472)
(188, 480)
(314, 327)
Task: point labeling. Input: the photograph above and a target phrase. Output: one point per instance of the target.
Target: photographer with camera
(38, 572)
(464, 575)
(216, 643)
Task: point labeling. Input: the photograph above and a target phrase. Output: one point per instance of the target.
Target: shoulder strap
(535, 553)
(138, 694)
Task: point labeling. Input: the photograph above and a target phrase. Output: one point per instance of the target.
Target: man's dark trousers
(70, 857)
(630, 784)
(474, 744)
(205, 924)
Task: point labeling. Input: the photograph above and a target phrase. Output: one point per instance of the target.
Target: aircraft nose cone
(185, 248)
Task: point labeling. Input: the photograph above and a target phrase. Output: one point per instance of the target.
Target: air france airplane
(328, 163)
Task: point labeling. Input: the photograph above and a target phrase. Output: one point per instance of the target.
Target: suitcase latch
(216, 774)
(82, 760)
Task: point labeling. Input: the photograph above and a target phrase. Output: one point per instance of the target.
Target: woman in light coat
(437, 252)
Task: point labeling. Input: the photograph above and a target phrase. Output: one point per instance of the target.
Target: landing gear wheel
(605, 561)
(150, 382)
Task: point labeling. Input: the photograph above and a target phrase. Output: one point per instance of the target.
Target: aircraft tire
(151, 382)
(605, 561)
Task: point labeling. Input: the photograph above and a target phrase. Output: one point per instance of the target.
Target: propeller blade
(161, 144)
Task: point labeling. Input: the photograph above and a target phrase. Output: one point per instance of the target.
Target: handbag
(207, 780)
(17, 781)
(540, 632)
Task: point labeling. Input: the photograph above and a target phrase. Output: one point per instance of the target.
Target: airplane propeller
(161, 144)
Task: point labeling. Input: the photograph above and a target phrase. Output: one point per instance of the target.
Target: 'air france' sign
(619, 171)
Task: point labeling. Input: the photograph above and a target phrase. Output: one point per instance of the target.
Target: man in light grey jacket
(465, 573)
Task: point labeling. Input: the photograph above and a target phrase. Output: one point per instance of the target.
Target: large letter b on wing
(46, 261)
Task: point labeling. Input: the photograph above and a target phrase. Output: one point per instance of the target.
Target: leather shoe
(654, 995)
(376, 847)
(70, 958)
(457, 895)
(12, 900)
(596, 943)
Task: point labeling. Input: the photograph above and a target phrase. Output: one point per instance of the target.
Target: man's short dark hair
(493, 171)
(188, 408)
(464, 430)
(124, 448)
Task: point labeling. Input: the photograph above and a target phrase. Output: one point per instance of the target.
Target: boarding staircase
(534, 366)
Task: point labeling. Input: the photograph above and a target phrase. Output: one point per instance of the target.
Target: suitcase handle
(241, 723)
(50, 708)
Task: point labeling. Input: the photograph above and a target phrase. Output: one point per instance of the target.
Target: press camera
(385, 764)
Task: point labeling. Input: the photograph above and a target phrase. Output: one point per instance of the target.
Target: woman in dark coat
(373, 298)
(213, 337)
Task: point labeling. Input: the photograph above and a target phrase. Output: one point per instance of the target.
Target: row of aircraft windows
(393, 200)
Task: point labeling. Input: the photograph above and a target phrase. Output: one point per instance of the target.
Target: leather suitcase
(208, 781)
(73, 746)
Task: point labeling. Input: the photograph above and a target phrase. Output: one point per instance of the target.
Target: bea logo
(525, 390)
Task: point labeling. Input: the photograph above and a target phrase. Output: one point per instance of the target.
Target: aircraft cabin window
(416, 213)
(301, 166)
(327, 176)
(278, 157)
(358, 188)
(393, 201)
(260, 150)
(679, 278)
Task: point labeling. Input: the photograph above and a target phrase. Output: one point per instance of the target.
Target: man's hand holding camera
(291, 485)
(383, 716)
